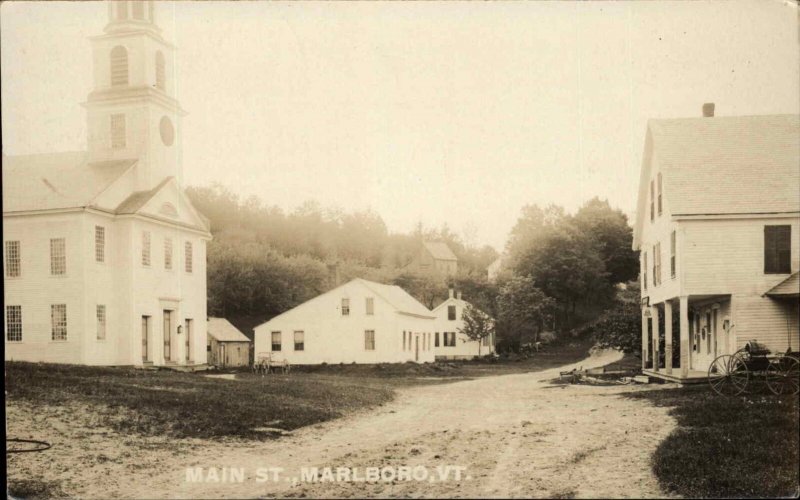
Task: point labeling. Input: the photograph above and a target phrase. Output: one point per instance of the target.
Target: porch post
(686, 351)
(656, 334)
(668, 337)
(644, 339)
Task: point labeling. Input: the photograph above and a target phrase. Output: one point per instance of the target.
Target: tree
(612, 236)
(523, 308)
(477, 325)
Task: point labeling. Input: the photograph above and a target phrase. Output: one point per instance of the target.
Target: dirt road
(513, 435)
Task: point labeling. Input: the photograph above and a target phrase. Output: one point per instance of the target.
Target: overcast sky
(434, 112)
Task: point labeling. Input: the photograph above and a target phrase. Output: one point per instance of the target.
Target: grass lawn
(737, 447)
(166, 403)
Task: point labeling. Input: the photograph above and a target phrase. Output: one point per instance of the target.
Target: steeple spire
(131, 15)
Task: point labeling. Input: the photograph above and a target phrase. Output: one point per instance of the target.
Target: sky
(432, 112)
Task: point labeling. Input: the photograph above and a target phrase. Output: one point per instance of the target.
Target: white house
(357, 322)
(447, 341)
(717, 228)
(104, 255)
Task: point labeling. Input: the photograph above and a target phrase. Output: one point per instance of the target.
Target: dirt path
(513, 435)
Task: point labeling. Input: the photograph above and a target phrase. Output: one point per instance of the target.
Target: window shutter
(783, 254)
(770, 247)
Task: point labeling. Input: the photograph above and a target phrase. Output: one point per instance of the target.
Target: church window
(58, 321)
(14, 323)
(58, 256)
(101, 322)
(99, 243)
(188, 257)
(118, 131)
(122, 9)
(119, 66)
(138, 10)
(167, 253)
(145, 248)
(12, 259)
(161, 76)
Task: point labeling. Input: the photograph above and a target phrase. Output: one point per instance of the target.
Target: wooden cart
(730, 374)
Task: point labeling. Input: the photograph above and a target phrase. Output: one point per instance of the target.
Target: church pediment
(166, 202)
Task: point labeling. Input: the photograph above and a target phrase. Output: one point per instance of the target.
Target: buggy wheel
(728, 375)
(783, 376)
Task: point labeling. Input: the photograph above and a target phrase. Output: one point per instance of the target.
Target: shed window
(12, 259)
(777, 249)
(345, 307)
(369, 340)
(299, 341)
(451, 313)
(58, 321)
(99, 243)
(58, 256)
(436, 339)
(14, 323)
(119, 66)
(276, 341)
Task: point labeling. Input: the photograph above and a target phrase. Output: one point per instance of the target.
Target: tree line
(560, 270)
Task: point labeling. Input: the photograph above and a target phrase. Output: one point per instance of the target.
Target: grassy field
(155, 403)
(738, 447)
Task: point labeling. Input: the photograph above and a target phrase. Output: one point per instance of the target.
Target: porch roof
(788, 288)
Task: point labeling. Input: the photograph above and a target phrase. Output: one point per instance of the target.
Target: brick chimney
(451, 293)
(458, 296)
(708, 110)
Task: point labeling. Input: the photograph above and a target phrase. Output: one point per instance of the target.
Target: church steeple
(132, 112)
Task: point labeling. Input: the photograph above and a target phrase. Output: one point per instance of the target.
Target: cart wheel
(783, 376)
(728, 375)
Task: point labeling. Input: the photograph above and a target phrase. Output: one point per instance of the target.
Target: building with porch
(717, 227)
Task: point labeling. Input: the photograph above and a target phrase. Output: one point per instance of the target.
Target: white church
(104, 255)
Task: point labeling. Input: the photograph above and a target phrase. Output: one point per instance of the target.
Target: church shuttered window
(167, 253)
(118, 131)
(138, 10)
(99, 243)
(161, 77)
(188, 257)
(777, 249)
(12, 259)
(145, 248)
(119, 66)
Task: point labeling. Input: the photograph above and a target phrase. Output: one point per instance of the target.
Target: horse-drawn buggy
(730, 374)
(264, 363)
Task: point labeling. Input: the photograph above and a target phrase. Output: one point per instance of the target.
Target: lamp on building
(180, 329)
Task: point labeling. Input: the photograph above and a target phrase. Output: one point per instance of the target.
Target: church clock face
(167, 131)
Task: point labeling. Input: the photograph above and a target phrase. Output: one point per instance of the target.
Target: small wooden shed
(227, 346)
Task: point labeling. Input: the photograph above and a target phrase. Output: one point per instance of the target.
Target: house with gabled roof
(227, 345)
(717, 230)
(448, 340)
(358, 322)
(104, 254)
(435, 257)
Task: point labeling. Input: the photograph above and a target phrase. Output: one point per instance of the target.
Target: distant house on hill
(358, 322)
(717, 229)
(226, 346)
(494, 269)
(448, 342)
(435, 257)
